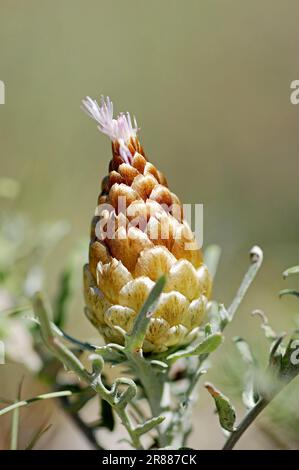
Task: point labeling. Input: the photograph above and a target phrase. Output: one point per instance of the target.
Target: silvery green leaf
(211, 257)
(244, 350)
(134, 341)
(223, 315)
(208, 329)
(208, 345)
(289, 271)
(266, 327)
(63, 297)
(218, 316)
(149, 424)
(284, 292)
(249, 395)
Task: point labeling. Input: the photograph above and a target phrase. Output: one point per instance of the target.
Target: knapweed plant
(148, 292)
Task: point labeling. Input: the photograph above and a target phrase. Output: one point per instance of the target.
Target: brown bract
(148, 238)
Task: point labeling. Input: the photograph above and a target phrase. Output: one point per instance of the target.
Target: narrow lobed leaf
(63, 297)
(212, 256)
(290, 271)
(244, 350)
(136, 338)
(208, 345)
(148, 425)
(265, 326)
(284, 292)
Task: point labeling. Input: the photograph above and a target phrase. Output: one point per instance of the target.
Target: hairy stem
(153, 386)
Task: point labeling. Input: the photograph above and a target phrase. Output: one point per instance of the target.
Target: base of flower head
(175, 320)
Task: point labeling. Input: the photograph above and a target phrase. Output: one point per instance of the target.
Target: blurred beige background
(209, 83)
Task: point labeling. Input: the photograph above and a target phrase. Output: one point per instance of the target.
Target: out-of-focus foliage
(23, 250)
(246, 373)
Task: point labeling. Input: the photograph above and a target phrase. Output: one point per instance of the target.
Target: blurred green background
(209, 83)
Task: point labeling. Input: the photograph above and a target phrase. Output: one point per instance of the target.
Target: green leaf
(226, 412)
(148, 425)
(111, 352)
(250, 396)
(45, 396)
(40, 432)
(63, 297)
(266, 327)
(244, 350)
(160, 365)
(290, 271)
(211, 257)
(288, 292)
(136, 338)
(218, 316)
(208, 329)
(208, 345)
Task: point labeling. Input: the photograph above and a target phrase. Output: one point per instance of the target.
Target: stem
(245, 423)
(256, 259)
(15, 421)
(127, 423)
(153, 386)
(153, 383)
(94, 379)
(14, 429)
(45, 396)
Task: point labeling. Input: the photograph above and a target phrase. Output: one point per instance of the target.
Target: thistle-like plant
(147, 289)
(138, 235)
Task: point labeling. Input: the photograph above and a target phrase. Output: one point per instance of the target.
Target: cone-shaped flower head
(138, 234)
